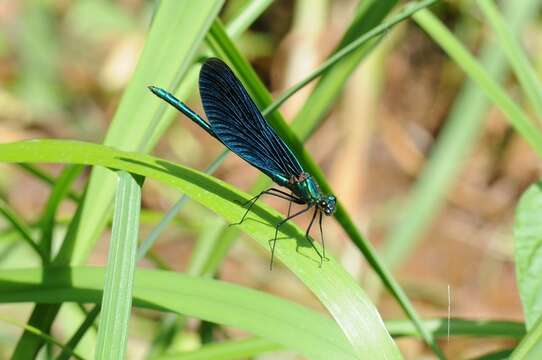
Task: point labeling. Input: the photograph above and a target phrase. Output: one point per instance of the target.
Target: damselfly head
(327, 204)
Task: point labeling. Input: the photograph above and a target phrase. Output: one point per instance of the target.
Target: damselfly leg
(272, 191)
(274, 240)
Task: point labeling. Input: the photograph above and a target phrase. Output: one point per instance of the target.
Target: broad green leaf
(528, 252)
(119, 275)
(337, 291)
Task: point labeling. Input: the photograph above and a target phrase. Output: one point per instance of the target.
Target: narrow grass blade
(460, 327)
(20, 226)
(509, 43)
(46, 178)
(530, 348)
(341, 295)
(59, 191)
(43, 315)
(44, 336)
(528, 252)
(119, 276)
(81, 331)
(252, 10)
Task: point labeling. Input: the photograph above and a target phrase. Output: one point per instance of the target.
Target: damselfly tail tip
(154, 89)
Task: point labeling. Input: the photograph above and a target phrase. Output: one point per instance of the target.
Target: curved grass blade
(20, 226)
(119, 275)
(283, 321)
(341, 295)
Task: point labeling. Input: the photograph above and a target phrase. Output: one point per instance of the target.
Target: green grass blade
(119, 276)
(282, 321)
(43, 315)
(460, 327)
(60, 190)
(341, 295)
(81, 331)
(528, 252)
(398, 328)
(530, 348)
(252, 10)
(459, 134)
(523, 69)
(44, 336)
(514, 114)
(20, 226)
(46, 178)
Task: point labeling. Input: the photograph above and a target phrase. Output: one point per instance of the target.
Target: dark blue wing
(238, 123)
